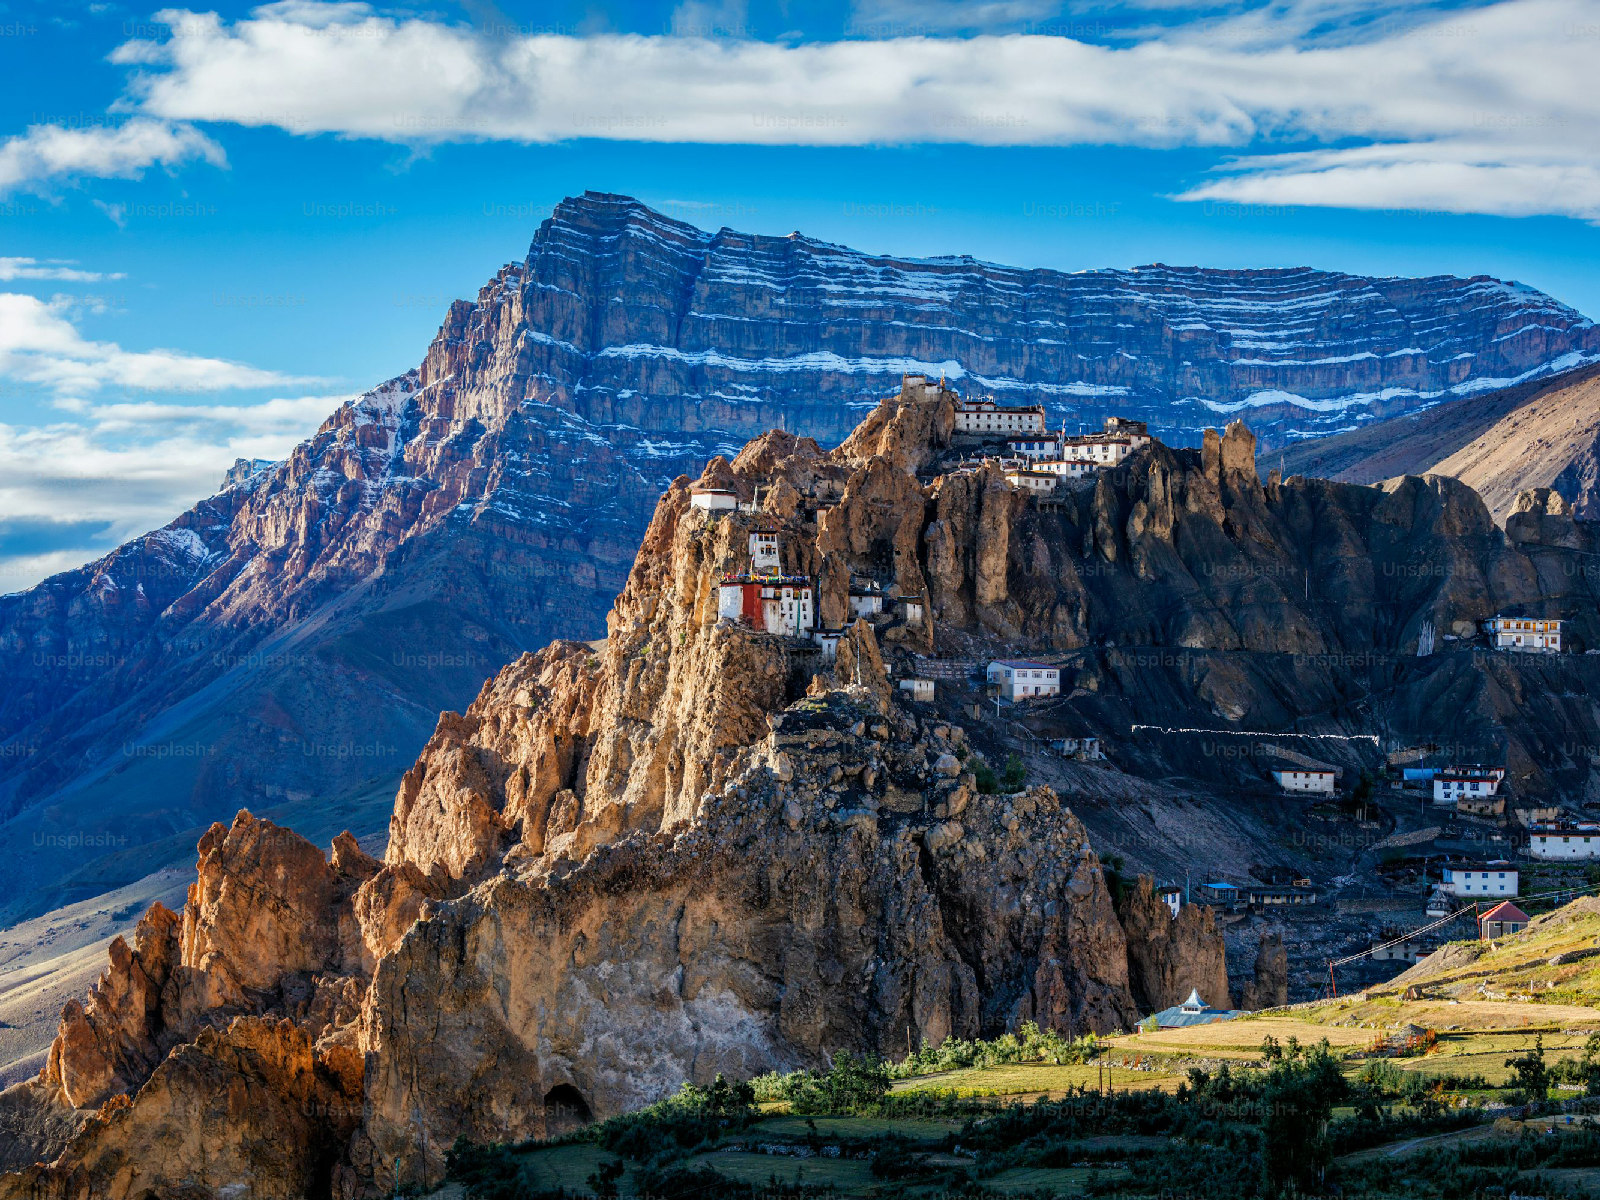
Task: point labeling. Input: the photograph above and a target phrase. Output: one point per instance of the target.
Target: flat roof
(1023, 662)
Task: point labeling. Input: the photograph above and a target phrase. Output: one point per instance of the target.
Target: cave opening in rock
(565, 1110)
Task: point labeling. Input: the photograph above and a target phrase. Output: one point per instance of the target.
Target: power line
(1405, 937)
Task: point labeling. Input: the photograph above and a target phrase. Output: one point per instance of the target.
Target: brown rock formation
(699, 847)
(1170, 956)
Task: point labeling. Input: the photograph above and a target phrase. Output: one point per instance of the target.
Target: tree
(1532, 1076)
(603, 1182)
(1014, 775)
(1297, 1100)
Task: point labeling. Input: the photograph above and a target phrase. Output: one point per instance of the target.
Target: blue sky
(213, 224)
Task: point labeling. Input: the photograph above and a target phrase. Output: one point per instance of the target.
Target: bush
(1014, 775)
(680, 1122)
(984, 776)
(1028, 1044)
(849, 1084)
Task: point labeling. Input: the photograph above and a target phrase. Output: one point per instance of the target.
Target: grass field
(846, 1174)
(1468, 998)
(1039, 1079)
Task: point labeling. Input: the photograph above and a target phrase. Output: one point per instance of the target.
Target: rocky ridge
(493, 498)
(699, 848)
(702, 848)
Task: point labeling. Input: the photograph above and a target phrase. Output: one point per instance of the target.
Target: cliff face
(699, 848)
(695, 849)
(493, 498)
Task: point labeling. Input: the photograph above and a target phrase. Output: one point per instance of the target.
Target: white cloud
(63, 269)
(40, 345)
(50, 154)
(1421, 178)
(131, 468)
(1499, 94)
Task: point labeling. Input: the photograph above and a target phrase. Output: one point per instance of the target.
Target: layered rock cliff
(493, 498)
(697, 847)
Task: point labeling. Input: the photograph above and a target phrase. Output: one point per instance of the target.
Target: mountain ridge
(293, 636)
(1542, 434)
(700, 847)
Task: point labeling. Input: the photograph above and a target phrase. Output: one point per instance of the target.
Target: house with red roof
(1500, 921)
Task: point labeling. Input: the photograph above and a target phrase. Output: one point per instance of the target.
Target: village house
(764, 550)
(985, 416)
(1018, 679)
(1036, 448)
(1406, 950)
(1480, 806)
(1477, 881)
(918, 689)
(1119, 439)
(777, 603)
(911, 609)
(1066, 468)
(1539, 812)
(1084, 749)
(1030, 480)
(1502, 920)
(1261, 895)
(1305, 779)
(828, 639)
(1581, 840)
(712, 500)
(1264, 895)
(1172, 896)
(1528, 634)
(866, 599)
(1451, 783)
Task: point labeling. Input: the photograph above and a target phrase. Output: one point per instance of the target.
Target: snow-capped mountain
(633, 319)
(287, 644)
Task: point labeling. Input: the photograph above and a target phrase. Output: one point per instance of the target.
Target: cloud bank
(1486, 110)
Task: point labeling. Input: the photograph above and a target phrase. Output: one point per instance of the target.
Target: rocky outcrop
(492, 499)
(256, 1109)
(696, 847)
(1270, 986)
(1170, 956)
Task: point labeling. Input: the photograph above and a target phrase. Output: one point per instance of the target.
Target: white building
(919, 689)
(1454, 783)
(1067, 468)
(866, 599)
(1564, 841)
(1018, 679)
(1085, 749)
(1305, 779)
(712, 499)
(1476, 881)
(1030, 480)
(985, 416)
(1523, 633)
(776, 603)
(1172, 897)
(828, 639)
(1035, 448)
(764, 550)
(911, 608)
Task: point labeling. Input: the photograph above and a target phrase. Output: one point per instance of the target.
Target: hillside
(700, 847)
(1535, 435)
(287, 644)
